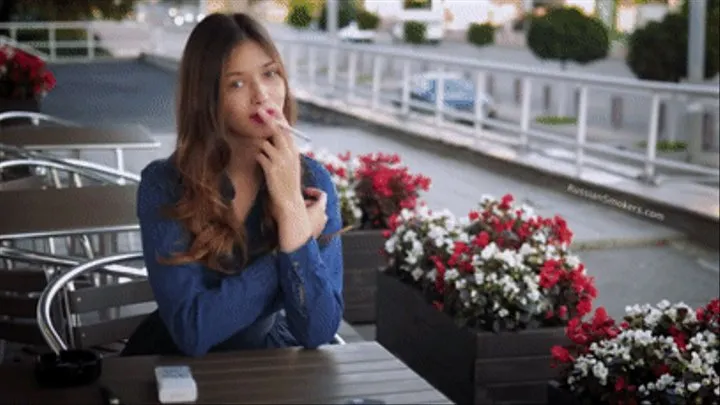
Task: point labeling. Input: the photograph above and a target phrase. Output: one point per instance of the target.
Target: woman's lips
(258, 119)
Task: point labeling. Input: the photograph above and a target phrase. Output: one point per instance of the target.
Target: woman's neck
(243, 161)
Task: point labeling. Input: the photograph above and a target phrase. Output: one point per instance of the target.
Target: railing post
(312, 56)
(352, 75)
(480, 90)
(52, 41)
(649, 174)
(581, 130)
(90, 41)
(440, 96)
(525, 112)
(376, 81)
(293, 61)
(332, 67)
(405, 98)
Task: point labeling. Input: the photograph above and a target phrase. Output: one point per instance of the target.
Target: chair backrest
(99, 302)
(32, 118)
(20, 290)
(97, 315)
(103, 330)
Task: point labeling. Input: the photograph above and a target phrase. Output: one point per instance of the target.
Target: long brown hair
(202, 152)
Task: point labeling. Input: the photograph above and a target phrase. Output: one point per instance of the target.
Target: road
(119, 92)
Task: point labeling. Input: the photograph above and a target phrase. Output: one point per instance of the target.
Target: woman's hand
(279, 158)
(280, 162)
(316, 208)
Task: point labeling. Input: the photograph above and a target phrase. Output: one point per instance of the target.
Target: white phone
(175, 384)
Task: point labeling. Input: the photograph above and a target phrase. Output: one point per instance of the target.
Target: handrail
(5, 40)
(699, 90)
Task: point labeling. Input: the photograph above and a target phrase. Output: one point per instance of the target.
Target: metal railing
(333, 72)
(54, 48)
(338, 71)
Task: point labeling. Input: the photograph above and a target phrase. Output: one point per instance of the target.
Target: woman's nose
(260, 94)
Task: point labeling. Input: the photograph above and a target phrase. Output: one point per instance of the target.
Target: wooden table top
(332, 374)
(76, 138)
(29, 213)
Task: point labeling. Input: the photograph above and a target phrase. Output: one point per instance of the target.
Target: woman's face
(252, 81)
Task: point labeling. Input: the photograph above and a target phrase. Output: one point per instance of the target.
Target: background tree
(347, 10)
(659, 50)
(71, 10)
(568, 35)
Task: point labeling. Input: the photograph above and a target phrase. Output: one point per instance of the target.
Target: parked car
(459, 93)
(353, 33)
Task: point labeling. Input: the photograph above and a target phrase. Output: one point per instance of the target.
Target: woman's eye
(271, 73)
(236, 84)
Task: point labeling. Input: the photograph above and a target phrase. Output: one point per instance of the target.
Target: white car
(434, 33)
(353, 33)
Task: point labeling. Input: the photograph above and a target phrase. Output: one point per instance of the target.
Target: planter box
(557, 395)
(469, 367)
(362, 259)
(31, 105)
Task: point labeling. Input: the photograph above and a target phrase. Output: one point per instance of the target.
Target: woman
(231, 223)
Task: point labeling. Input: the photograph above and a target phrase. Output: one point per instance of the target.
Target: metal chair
(35, 118)
(84, 300)
(69, 163)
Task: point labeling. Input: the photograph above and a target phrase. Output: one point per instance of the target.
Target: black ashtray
(69, 368)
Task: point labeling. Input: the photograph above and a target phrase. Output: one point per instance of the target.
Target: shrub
(658, 51)
(568, 35)
(481, 34)
(300, 15)
(367, 20)
(415, 32)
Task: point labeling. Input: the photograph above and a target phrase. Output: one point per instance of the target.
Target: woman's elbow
(323, 332)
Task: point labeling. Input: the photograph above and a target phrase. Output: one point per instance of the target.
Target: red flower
(25, 75)
(561, 354)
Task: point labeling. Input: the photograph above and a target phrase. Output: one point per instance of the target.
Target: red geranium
(664, 354)
(23, 76)
(384, 187)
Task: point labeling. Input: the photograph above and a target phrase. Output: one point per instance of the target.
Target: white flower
(601, 372)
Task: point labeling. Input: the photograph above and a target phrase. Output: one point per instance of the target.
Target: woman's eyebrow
(240, 73)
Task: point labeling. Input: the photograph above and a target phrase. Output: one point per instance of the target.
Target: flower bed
(664, 354)
(372, 188)
(492, 293)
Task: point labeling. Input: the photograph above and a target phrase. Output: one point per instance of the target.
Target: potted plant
(494, 291)
(24, 81)
(372, 189)
(664, 354)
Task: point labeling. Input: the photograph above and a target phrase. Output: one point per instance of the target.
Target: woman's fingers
(268, 149)
(264, 161)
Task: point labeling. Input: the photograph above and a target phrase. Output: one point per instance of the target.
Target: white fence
(379, 79)
(77, 40)
(344, 73)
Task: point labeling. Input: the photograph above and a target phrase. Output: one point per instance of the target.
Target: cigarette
(297, 133)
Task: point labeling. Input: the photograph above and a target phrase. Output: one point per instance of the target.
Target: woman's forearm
(294, 228)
